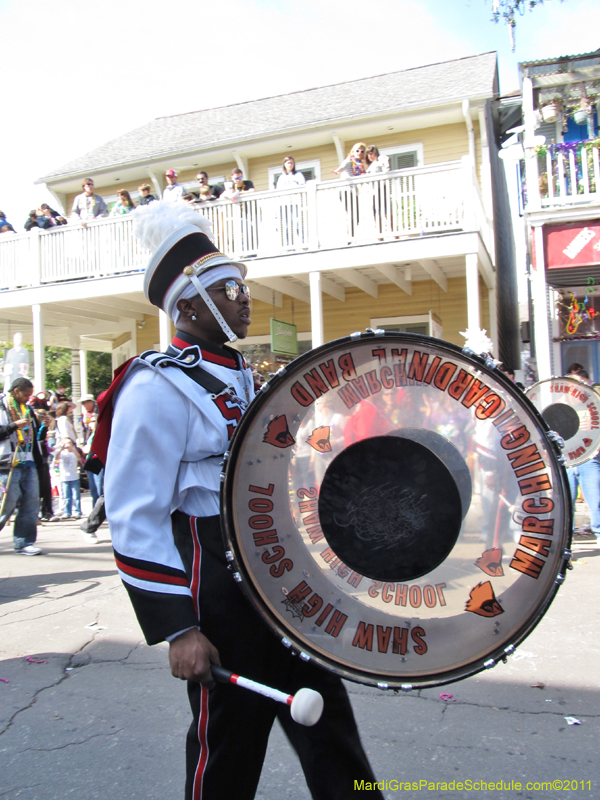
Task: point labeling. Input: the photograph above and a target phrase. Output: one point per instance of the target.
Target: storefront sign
(572, 245)
(284, 339)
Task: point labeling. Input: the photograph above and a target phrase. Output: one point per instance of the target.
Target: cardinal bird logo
(490, 562)
(482, 601)
(278, 433)
(319, 439)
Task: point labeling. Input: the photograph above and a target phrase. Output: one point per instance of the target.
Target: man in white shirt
(88, 206)
(173, 191)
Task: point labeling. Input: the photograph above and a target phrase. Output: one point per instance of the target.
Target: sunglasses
(231, 289)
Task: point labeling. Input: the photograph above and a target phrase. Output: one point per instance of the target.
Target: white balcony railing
(567, 175)
(331, 214)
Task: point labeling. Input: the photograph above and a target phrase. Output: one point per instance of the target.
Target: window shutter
(404, 160)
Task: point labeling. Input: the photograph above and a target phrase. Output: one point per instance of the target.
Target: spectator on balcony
(145, 196)
(290, 177)
(88, 206)
(4, 223)
(124, 204)
(173, 191)
(377, 162)
(32, 221)
(215, 191)
(238, 186)
(355, 163)
(45, 207)
(50, 218)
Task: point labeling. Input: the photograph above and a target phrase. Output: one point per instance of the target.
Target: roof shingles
(434, 84)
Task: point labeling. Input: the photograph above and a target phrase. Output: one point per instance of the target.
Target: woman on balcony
(289, 213)
(124, 204)
(355, 163)
(289, 178)
(378, 164)
(353, 166)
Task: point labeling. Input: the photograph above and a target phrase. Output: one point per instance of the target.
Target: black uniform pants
(227, 740)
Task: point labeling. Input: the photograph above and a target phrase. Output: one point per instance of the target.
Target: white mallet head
(307, 707)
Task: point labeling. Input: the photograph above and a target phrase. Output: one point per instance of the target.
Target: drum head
(395, 511)
(571, 408)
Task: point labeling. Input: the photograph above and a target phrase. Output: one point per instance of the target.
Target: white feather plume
(477, 340)
(153, 222)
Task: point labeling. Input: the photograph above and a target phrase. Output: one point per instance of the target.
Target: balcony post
(316, 309)
(313, 216)
(539, 296)
(469, 221)
(532, 177)
(472, 280)
(35, 278)
(39, 361)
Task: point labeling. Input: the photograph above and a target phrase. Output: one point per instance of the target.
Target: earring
(194, 318)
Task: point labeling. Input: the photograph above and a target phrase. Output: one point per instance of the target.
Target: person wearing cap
(165, 440)
(173, 191)
(88, 206)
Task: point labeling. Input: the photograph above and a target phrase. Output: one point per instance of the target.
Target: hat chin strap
(213, 309)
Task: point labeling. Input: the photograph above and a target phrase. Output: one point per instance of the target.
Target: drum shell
(255, 565)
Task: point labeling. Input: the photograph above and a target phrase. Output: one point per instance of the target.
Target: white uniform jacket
(168, 438)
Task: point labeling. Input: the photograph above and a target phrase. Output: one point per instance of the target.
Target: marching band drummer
(174, 414)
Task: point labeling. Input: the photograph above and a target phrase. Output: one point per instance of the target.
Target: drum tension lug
(489, 664)
(383, 686)
(356, 335)
(304, 656)
(558, 441)
(508, 651)
(406, 687)
(559, 579)
(237, 577)
(286, 643)
(229, 555)
(376, 331)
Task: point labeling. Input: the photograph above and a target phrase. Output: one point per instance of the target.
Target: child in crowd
(67, 459)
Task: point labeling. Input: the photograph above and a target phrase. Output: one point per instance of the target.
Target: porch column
(316, 309)
(39, 360)
(532, 176)
(164, 327)
(539, 297)
(472, 280)
(83, 371)
(75, 375)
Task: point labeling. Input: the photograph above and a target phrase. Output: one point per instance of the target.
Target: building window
(427, 324)
(257, 352)
(404, 156)
(310, 169)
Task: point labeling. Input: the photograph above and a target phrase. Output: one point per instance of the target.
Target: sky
(76, 75)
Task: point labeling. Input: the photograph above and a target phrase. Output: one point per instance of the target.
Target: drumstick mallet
(306, 706)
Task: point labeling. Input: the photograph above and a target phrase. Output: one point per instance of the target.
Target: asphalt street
(88, 710)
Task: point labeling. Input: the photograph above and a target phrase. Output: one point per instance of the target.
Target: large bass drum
(396, 510)
(571, 408)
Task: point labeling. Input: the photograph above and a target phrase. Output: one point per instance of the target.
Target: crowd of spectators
(88, 206)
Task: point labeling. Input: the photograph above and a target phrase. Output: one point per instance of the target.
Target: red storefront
(572, 265)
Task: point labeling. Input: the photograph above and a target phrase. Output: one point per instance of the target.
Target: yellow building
(425, 247)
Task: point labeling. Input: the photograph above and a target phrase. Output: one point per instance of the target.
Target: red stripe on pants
(202, 726)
